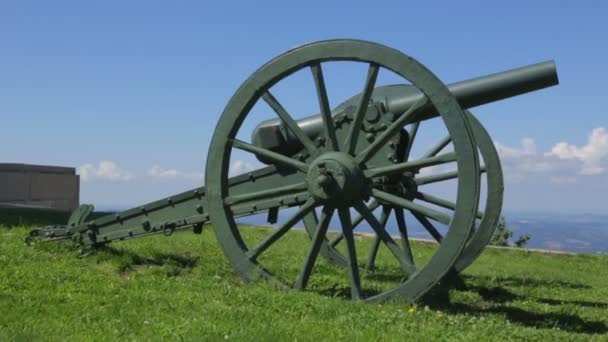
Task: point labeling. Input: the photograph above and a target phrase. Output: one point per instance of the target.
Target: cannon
(342, 166)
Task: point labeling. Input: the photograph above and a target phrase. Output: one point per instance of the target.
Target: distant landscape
(572, 232)
(577, 232)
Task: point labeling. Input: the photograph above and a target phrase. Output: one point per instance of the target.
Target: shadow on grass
(344, 292)
(528, 282)
(383, 277)
(550, 320)
(496, 301)
(584, 303)
(178, 264)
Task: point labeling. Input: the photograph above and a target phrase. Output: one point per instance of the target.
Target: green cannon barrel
(272, 134)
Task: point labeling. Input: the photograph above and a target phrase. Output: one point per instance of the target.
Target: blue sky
(141, 84)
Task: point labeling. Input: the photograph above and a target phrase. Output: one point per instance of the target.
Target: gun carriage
(353, 159)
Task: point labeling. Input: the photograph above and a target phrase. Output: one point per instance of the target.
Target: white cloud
(593, 156)
(562, 164)
(528, 149)
(105, 169)
(239, 166)
(523, 160)
(157, 171)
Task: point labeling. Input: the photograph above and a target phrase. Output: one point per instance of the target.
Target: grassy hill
(181, 287)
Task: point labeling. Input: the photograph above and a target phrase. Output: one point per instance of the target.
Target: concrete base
(39, 186)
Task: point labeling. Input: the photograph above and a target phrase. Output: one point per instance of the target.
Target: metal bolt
(323, 180)
(380, 107)
(349, 111)
(372, 115)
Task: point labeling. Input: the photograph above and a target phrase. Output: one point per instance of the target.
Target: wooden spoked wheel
(486, 221)
(341, 175)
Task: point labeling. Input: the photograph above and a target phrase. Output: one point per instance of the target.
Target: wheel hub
(335, 179)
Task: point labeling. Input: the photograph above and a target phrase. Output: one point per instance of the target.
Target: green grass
(181, 287)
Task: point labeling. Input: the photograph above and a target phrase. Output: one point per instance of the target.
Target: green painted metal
(80, 215)
(486, 220)
(352, 159)
(486, 224)
(244, 258)
(397, 99)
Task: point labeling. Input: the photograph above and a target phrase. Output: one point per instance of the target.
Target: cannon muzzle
(397, 99)
(486, 89)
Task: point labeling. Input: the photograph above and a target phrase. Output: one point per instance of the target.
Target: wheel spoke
(440, 202)
(306, 208)
(315, 247)
(429, 227)
(371, 258)
(372, 206)
(317, 73)
(405, 242)
(265, 194)
(351, 139)
(411, 206)
(385, 237)
(413, 165)
(383, 138)
(412, 133)
(289, 121)
(268, 154)
(353, 265)
(373, 252)
(437, 148)
(440, 177)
